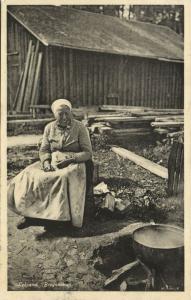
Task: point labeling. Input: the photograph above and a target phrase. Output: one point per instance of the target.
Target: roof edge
(178, 60)
(44, 42)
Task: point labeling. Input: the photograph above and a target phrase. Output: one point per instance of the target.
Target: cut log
(122, 108)
(161, 130)
(168, 124)
(127, 131)
(143, 162)
(175, 134)
(124, 118)
(31, 122)
(176, 118)
(19, 117)
(157, 113)
(117, 273)
(104, 129)
(174, 110)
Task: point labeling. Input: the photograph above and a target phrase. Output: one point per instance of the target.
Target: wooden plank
(154, 113)
(122, 108)
(90, 81)
(18, 91)
(36, 79)
(141, 161)
(34, 67)
(75, 98)
(168, 124)
(43, 106)
(71, 76)
(105, 78)
(81, 78)
(100, 79)
(46, 75)
(120, 76)
(170, 118)
(94, 64)
(175, 134)
(23, 84)
(126, 131)
(124, 81)
(59, 72)
(169, 110)
(30, 121)
(38, 91)
(26, 99)
(84, 79)
(121, 271)
(18, 116)
(124, 118)
(77, 75)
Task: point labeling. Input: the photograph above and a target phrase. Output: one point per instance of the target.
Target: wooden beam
(24, 79)
(30, 121)
(141, 161)
(124, 118)
(117, 273)
(36, 79)
(170, 118)
(121, 108)
(168, 124)
(18, 91)
(175, 134)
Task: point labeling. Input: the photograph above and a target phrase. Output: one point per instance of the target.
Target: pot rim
(176, 228)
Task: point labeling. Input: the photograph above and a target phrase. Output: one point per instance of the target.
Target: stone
(82, 268)
(123, 286)
(100, 189)
(140, 192)
(69, 261)
(109, 202)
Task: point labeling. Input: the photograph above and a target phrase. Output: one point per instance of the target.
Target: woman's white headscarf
(59, 104)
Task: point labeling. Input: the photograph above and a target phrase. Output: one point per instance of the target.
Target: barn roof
(71, 28)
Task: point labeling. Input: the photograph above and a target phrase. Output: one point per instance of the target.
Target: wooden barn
(93, 59)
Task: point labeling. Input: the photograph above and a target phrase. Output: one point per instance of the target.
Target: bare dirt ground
(64, 260)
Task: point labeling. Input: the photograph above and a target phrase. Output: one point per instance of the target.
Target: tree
(167, 15)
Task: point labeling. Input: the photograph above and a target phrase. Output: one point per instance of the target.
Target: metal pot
(159, 244)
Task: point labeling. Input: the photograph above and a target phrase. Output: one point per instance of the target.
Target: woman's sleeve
(45, 152)
(85, 145)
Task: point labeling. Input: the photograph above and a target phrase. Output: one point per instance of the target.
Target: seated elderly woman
(55, 187)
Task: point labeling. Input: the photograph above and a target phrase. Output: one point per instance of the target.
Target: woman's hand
(47, 166)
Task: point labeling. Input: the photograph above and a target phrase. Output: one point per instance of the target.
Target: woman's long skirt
(57, 195)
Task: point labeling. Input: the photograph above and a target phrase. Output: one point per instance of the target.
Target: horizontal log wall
(90, 78)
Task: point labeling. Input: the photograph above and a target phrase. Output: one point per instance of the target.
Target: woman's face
(63, 116)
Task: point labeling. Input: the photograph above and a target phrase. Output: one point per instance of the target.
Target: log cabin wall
(92, 78)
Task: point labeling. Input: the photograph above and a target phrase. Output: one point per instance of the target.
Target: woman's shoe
(23, 223)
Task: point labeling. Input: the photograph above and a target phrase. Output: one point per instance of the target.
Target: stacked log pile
(126, 120)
